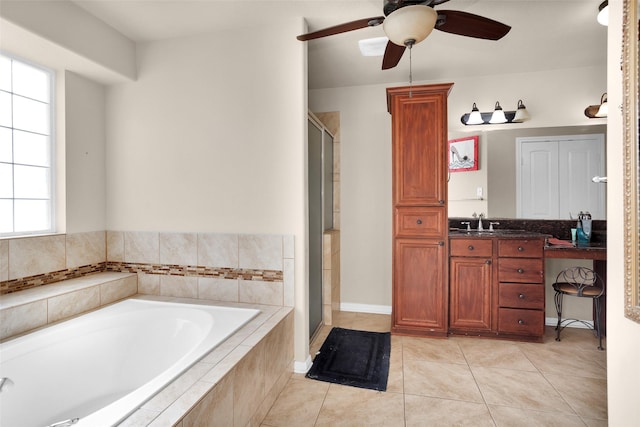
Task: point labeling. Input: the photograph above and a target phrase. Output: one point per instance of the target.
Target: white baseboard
(553, 321)
(386, 309)
(365, 308)
(302, 367)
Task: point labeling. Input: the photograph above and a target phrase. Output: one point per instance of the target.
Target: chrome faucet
(491, 224)
(468, 224)
(480, 227)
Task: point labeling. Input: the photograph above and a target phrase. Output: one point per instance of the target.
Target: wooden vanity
(496, 285)
(480, 284)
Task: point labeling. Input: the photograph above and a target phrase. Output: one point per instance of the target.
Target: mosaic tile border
(21, 284)
(197, 271)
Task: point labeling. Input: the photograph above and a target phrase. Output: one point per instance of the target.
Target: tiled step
(32, 308)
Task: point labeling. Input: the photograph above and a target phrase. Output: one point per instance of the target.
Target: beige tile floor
(458, 382)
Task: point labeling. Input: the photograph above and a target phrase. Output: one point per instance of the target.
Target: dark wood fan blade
(470, 25)
(392, 55)
(342, 28)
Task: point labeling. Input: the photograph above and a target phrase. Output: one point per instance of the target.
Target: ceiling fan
(408, 22)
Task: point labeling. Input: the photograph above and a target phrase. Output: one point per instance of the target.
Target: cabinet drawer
(517, 295)
(471, 247)
(420, 222)
(520, 270)
(521, 248)
(525, 322)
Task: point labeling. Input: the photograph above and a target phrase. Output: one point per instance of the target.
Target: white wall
(365, 186)
(211, 138)
(66, 36)
(365, 128)
(84, 150)
(623, 335)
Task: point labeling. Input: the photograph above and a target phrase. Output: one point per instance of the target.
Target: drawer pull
(470, 247)
(419, 222)
(520, 271)
(521, 296)
(520, 322)
(520, 249)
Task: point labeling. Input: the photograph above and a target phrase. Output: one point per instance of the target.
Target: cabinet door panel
(470, 293)
(419, 150)
(419, 274)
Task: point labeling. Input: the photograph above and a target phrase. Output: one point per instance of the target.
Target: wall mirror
(498, 173)
(631, 160)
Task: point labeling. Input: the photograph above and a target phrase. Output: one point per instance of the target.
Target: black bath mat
(355, 358)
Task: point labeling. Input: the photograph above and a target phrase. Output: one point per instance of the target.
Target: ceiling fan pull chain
(409, 44)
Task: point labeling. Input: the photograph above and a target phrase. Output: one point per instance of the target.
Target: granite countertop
(592, 250)
(501, 233)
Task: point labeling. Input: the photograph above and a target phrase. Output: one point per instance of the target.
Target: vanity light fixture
(475, 118)
(603, 13)
(497, 116)
(522, 115)
(598, 111)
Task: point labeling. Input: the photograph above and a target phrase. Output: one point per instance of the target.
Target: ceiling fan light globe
(410, 23)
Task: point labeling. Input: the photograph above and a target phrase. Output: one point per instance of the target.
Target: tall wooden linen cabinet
(420, 220)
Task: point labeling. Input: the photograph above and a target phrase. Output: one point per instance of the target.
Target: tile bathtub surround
(23, 311)
(235, 384)
(28, 262)
(250, 264)
(225, 267)
(236, 251)
(16, 285)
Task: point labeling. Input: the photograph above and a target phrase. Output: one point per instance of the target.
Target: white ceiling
(545, 35)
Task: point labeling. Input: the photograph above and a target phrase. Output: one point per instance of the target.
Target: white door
(554, 176)
(539, 194)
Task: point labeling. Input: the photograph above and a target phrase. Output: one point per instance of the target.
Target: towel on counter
(557, 242)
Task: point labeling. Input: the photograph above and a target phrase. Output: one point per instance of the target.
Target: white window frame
(52, 154)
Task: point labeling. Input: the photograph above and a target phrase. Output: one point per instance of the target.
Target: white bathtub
(102, 366)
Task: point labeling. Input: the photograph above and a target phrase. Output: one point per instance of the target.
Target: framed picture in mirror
(463, 154)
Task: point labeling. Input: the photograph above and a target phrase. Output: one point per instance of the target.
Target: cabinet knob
(440, 243)
(520, 249)
(419, 222)
(520, 271)
(488, 262)
(520, 322)
(470, 247)
(521, 296)
(441, 202)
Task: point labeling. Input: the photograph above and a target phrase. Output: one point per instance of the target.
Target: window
(26, 148)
